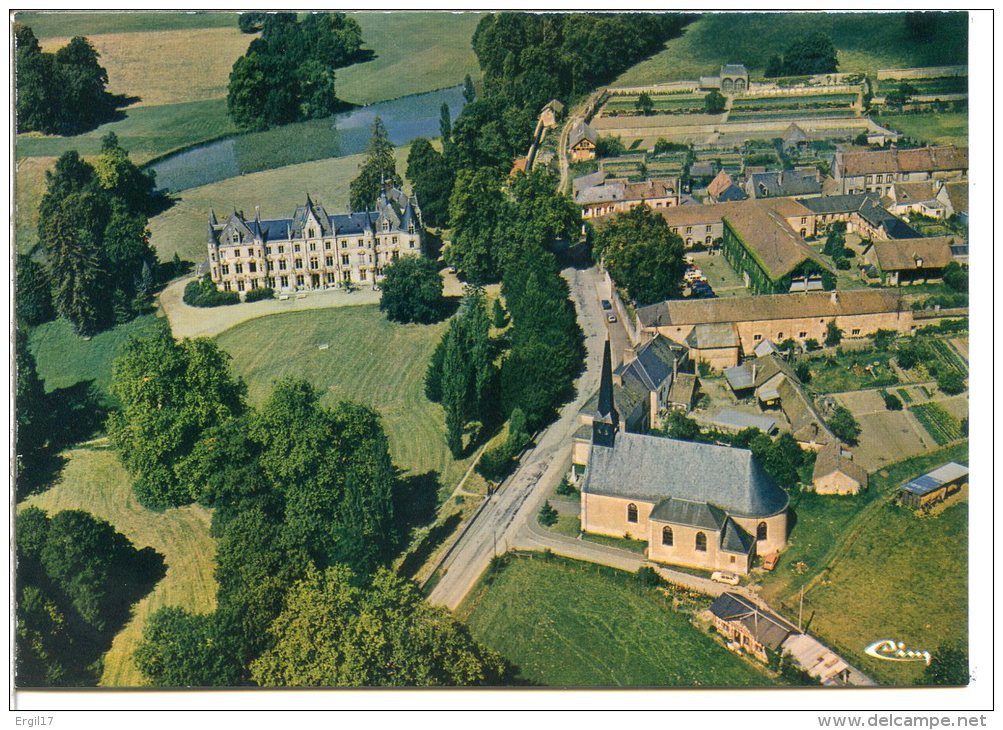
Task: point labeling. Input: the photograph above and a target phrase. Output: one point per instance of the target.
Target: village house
(757, 631)
(860, 171)
(699, 505)
(835, 471)
(313, 250)
(796, 140)
(722, 189)
(582, 142)
(784, 184)
(801, 316)
(619, 196)
(910, 260)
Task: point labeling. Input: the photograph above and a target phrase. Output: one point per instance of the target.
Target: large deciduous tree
(479, 214)
(411, 290)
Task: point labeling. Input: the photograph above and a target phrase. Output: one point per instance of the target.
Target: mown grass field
(369, 360)
(564, 624)
(67, 24)
(415, 52)
(64, 358)
(28, 192)
(904, 578)
(865, 42)
(182, 228)
(930, 127)
(93, 480)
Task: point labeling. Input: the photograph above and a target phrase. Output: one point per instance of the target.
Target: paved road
(518, 499)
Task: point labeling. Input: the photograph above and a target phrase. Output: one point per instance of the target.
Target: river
(343, 134)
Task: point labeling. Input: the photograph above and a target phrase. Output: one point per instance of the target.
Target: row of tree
(303, 497)
(287, 74)
(99, 267)
(63, 92)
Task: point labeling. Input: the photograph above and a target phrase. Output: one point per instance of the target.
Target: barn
(934, 487)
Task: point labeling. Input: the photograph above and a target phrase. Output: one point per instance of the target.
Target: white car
(722, 577)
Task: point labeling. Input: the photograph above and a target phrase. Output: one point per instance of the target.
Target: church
(698, 505)
(313, 250)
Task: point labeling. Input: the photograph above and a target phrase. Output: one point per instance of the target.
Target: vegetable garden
(941, 425)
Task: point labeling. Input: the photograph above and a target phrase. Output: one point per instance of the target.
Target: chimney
(755, 369)
(257, 212)
(834, 297)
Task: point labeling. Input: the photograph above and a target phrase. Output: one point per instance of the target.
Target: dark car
(606, 304)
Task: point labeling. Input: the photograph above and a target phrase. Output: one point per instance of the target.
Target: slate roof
(831, 204)
(604, 193)
(735, 539)
(769, 307)
(732, 194)
(581, 131)
(587, 181)
(922, 159)
(957, 193)
(652, 468)
(784, 183)
(719, 184)
(740, 377)
(683, 387)
(873, 213)
(653, 362)
(906, 254)
(830, 459)
(766, 627)
(556, 105)
(734, 69)
(688, 512)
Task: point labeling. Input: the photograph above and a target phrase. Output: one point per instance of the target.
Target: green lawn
(182, 228)
(28, 191)
(846, 371)
(869, 566)
(930, 127)
(64, 358)
(370, 360)
(568, 624)
(93, 480)
(904, 578)
(66, 24)
(865, 42)
(415, 52)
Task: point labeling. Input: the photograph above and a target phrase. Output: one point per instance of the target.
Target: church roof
(653, 468)
(687, 512)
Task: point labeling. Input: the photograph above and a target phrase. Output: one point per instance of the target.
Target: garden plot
(887, 437)
(941, 425)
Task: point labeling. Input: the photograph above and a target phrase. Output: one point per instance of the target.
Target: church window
(632, 513)
(701, 542)
(761, 531)
(667, 536)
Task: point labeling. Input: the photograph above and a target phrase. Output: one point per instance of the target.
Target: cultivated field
(565, 624)
(865, 43)
(369, 360)
(94, 481)
(904, 578)
(182, 228)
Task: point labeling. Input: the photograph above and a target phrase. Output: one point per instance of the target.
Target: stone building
(699, 505)
(836, 473)
(733, 80)
(910, 260)
(313, 250)
(876, 171)
(618, 196)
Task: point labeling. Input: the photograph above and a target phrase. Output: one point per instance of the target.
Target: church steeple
(605, 421)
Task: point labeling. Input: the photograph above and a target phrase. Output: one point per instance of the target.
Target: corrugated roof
(770, 307)
(738, 420)
(653, 468)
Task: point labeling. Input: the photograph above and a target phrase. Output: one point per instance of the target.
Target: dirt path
(210, 321)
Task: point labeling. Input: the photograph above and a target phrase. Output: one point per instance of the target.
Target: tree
(948, 667)
(844, 425)
(182, 649)
(642, 254)
(412, 290)
(714, 102)
(378, 167)
(811, 54)
(31, 408)
(170, 393)
(950, 381)
(609, 146)
(445, 124)
(835, 242)
(431, 177)
(892, 402)
(34, 295)
(468, 89)
(645, 105)
(921, 26)
(902, 94)
(251, 22)
(956, 277)
(833, 334)
(548, 515)
(542, 214)
(433, 373)
(498, 318)
(884, 339)
(479, 214)
(121, 177)
(334, 634)
(679, 426)
(803, 372)
(455, 388)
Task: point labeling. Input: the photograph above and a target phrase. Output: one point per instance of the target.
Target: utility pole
(801, 609)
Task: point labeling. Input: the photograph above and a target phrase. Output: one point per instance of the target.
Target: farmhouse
(836, 473)
(313, 250)
(618, 196)
(756, 630)
(582, 142)
(934, 487)
(858, 171)
(801, 316)
(909, 260)
(699, 505)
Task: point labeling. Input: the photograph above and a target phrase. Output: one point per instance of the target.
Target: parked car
(721, 576)
(611, 317)
(606, 304)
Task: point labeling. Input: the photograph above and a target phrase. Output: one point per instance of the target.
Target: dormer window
(386, 226)
(410, 228)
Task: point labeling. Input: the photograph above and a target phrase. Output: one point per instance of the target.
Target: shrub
(548, 515)
(203, 293)
(566, 488)
(845, 426)
(950, 381)
(803, 372)
(811, 344)
(892, 402)
(833, 334)
(262, 292)
(648, 577)
(883, 339)
(495, 463)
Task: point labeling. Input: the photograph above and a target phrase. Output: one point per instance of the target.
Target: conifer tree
(378, 166)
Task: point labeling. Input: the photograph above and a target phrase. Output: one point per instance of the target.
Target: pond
(343, 134)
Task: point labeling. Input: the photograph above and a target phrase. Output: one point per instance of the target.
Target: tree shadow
(448, 307)
(435, 537)
(415, 500)
(76, 413)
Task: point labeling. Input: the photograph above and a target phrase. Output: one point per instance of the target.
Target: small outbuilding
(582, 142)
(756, 630)
(934, 487)
(835, 471)
(552, 113)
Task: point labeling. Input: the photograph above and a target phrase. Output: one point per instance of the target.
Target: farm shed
(934, 487)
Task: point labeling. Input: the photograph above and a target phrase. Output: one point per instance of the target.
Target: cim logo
(896, 651)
